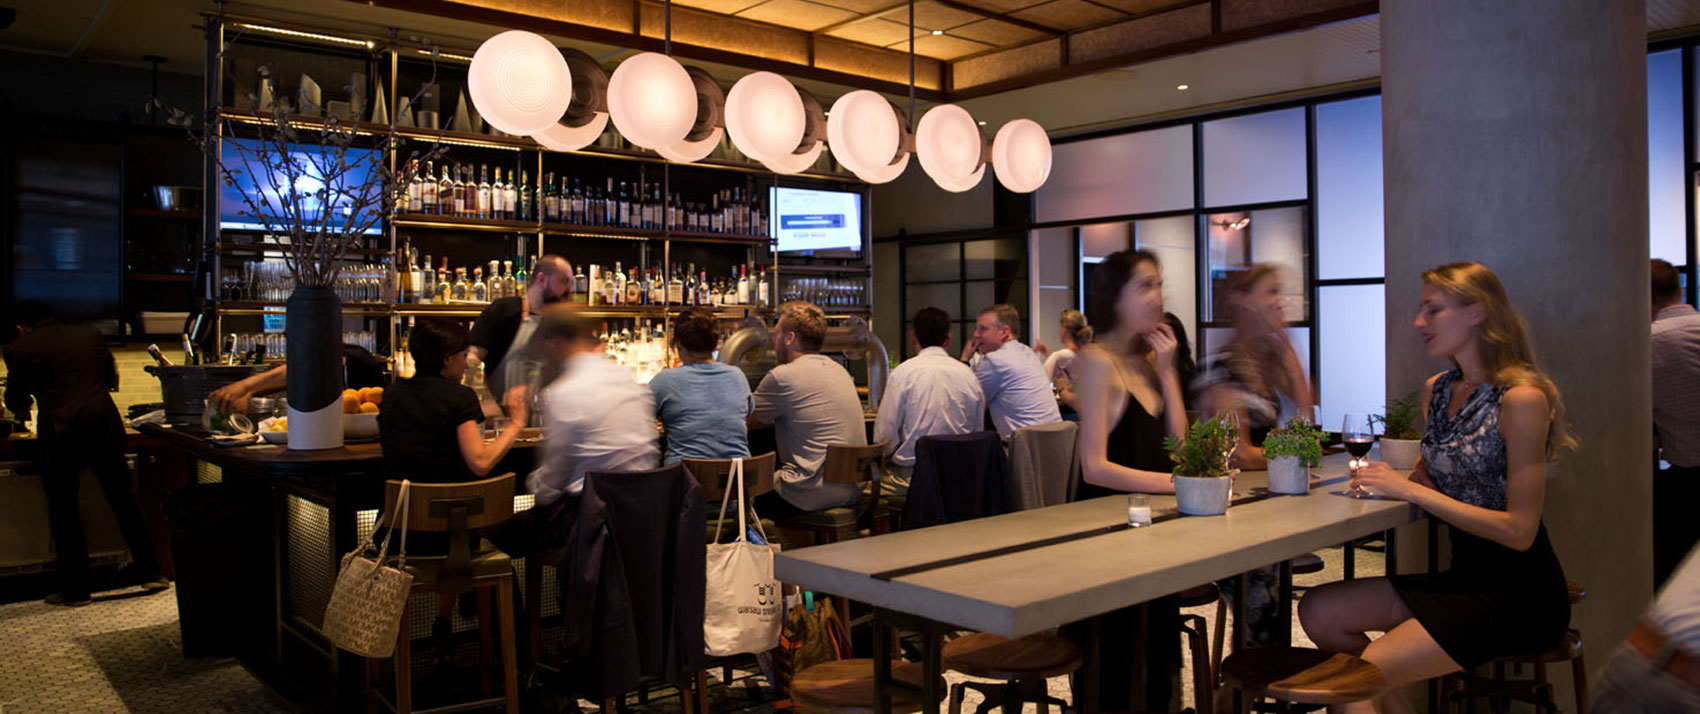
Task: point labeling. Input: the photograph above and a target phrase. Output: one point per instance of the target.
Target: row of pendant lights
(562, 98)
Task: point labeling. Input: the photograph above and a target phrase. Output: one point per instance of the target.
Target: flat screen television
(262, 184)
(808, 222)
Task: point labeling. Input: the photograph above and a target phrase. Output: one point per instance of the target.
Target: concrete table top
(1021, 593)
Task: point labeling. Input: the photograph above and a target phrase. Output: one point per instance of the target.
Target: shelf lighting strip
(448, 55)
(368, 44)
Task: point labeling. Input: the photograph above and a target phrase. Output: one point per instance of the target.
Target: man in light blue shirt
(930, 394)
(1011, 375)
(703, 404)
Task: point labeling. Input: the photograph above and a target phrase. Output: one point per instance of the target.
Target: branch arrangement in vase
(318, 189)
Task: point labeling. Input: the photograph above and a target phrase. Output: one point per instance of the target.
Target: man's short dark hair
(696, 330)
(433, 340)
(932, 327)
(1667, 283)
(563, 321)
(1008, 317)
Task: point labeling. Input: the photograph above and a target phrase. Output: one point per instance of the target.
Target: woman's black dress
(1494, 601)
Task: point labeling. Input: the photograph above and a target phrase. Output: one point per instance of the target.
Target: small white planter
(1288, 475)
(1202, 496)
(1401, 454)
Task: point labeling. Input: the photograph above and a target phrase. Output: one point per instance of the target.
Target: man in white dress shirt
(1011, 375)
(930, 394)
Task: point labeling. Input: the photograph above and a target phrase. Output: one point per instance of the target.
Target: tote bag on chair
(744, 608)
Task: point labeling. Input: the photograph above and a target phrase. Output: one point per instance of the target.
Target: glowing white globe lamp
(949, 144)
(519, 82)
(865, 132)
(687, 151)
(885, 174)
(765, 116)
(1021, 155)
(795, 163)
(563, 137)
(958, 184)
(652, 100)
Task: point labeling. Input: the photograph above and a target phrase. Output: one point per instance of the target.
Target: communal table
(1027, 572)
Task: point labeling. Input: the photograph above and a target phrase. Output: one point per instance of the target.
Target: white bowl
(271, 437)
(359, 426)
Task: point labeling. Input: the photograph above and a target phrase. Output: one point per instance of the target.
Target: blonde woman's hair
(1507, 352)
(1075, 322)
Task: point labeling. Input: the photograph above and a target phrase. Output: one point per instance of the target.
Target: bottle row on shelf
(257, 347)
(460, 193)
(599, 286)
(272, 281)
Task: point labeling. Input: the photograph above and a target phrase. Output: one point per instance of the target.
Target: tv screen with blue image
(810, 222)
(269, 185)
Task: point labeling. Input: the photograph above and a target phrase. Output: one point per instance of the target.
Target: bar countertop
(268, 460)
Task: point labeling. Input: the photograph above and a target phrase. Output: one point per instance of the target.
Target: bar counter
(258, 541)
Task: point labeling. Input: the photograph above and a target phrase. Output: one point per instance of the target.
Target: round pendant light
(958, 184)
(687, 151)
(519, 82)
(795, 163)
(950, 145)
(586, 116)
(765, 116)
(865, 133)
(1021, 155)
(884, 174)
(564, 137)
(652, 100)
(706, 131)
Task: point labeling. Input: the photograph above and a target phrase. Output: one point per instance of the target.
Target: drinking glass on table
(1138, 510)
(1358, 435)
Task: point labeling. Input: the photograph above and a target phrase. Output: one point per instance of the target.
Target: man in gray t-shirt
(812, 404)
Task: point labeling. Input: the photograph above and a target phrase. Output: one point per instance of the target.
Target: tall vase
(313, 326)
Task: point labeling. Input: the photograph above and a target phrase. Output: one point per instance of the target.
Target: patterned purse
(364, 614)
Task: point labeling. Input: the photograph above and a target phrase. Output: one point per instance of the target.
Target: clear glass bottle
(428, 282)
(675, 287)
(460, 291)
(428, 188)
(634, 288)
(581, 285)
(509, 287)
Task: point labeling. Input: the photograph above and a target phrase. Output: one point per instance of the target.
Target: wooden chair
(457, 509)
(847, 687)
(1209, 593)
(1024, 665)
(844, 464)
(715, 476)
(1301, 675)
(1461, 688)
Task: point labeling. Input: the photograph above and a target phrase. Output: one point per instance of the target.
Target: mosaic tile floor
(121, 655)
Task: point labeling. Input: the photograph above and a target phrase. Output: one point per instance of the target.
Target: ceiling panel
(1141, 7)
(943, 47)
(797, 14)
(997, 33)
(933, 16)
(864, 7)
(1068, 14)
(878, 31)
(724, 7)
(52, 26)
(1005, 7)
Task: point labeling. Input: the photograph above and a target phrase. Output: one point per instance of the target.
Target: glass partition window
(1238, 241)
(1172, 241)
(1142, 172)
(1352, 325)
(1666, 213)
(1257, 158)
(961, 277)
(1349, 236)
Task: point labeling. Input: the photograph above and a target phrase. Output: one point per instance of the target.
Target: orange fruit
(346, 393)
(368, 408)
(350, 403)
(374, 395)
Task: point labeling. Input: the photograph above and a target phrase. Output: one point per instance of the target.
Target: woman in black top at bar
(1494, 421)
(1129, 397)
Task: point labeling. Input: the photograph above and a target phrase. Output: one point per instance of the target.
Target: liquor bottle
(675, 287)
(460, 291)
(690, 284)
(444, 287)
(634, 288)
(428, 188)
(498, 198)
(458, 190)
(493, 285)
(705, 292)
(415, 188)
(484, 192)
(551, 201)
(510, 196)
(593, 291)
(581, 286)
(415, 278)
(479, 291)
(520, 279)
(610, 212)
(445, 194)
(617, 286)
(427, 282)
(761, 289)
(575, 204)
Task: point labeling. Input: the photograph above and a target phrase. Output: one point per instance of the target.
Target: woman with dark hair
(1129, 395)
(703, 404)
(1257, 375)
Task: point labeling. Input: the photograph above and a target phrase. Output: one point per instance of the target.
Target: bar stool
(1023, 664)
(1209, 593)
(1462, 687)
(844, 464)
(846, 686)
(715, 475)
(457, 509)
(1301, 675)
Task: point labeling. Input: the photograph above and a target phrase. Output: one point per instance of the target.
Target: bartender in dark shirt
(506, 325)
(66, 371)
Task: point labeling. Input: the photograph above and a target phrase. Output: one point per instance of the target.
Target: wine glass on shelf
(1358, 434)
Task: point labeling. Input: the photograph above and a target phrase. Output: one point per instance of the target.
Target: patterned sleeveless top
(1465, 454)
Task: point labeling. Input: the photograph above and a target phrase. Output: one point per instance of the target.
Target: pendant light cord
(911, 116)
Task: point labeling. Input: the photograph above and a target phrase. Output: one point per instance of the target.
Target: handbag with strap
(364, 614)
(743, 610)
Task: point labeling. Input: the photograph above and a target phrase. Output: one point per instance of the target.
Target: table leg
(882, 663)
(1285, 638)
(932, 667)
(1242, 633)
(1139, 683)
(1091, 671)
(1392, 542)
(1350, 559)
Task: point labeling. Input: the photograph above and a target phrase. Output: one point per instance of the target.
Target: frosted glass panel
(1348, 189)
(1142, 172)
(1240, 240)
(1101, 239)
(1171, 239)
(932, 261)
(1666, 213)
(1256, 158)
(1353, 362)
(993, 258)
(946, 297)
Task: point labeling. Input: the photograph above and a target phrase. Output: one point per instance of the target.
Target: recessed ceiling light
(1183, 87)
(982, 123)
(938, 32)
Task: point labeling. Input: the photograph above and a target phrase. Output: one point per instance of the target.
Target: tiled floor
(121, 655)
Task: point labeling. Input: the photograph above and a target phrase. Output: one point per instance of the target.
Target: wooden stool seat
(847, 687)
(840, 517)
(1302, 675)
(992, 657)
(485, 564)
(1307, 564)
(1206, 594)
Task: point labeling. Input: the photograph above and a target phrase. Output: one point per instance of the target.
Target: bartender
(360, 368)
(501, 336)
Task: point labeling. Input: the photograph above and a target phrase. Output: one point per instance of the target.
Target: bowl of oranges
(360, 413)
(275, 430)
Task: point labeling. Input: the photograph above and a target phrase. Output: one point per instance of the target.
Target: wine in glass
(1358, 435)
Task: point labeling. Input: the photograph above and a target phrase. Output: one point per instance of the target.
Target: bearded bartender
(501, 336)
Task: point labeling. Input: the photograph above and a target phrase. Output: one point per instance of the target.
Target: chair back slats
(715, 475)
(487, 503)
(853, 464)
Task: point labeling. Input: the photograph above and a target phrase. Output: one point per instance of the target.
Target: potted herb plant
(1202, 476)
(1401, 442)
(1292, 450)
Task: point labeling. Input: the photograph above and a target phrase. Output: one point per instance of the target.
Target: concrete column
(1515, 135)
